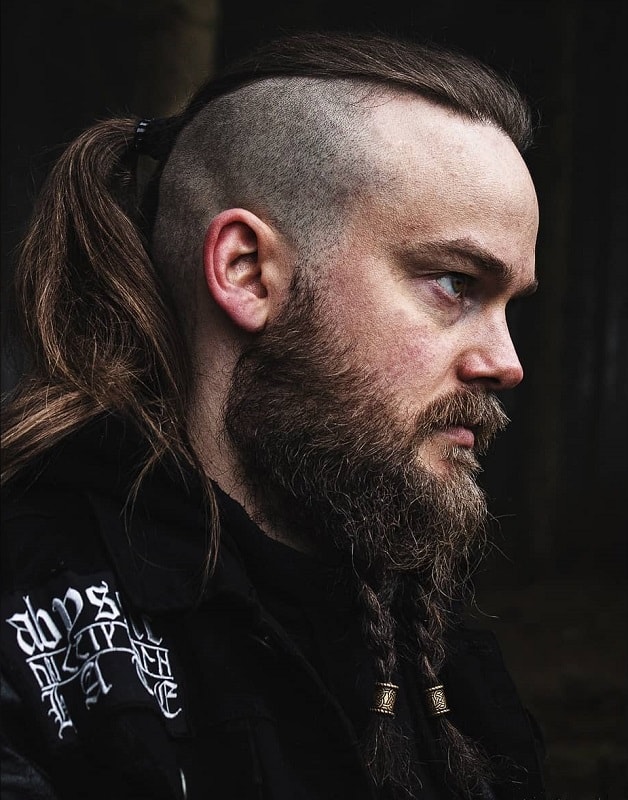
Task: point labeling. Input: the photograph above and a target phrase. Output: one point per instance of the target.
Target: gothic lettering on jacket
(74, 643)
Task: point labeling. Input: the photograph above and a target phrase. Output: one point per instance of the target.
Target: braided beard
(329, 465)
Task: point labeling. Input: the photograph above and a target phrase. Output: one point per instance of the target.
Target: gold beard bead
(384, 699)
(436, 701)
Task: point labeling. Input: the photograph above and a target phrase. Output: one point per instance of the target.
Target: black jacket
(127, 675)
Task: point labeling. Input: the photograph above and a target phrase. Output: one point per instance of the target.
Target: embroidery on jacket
(76, 643)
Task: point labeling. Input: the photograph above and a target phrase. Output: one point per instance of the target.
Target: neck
(220, 464)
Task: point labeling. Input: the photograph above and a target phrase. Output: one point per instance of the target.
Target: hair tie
(140, 134)
(155, 136)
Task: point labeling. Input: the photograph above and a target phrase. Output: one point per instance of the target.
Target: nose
(489, 359)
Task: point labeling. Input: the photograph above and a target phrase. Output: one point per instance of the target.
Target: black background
(556, 591)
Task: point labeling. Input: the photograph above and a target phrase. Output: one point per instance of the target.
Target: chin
(443, 461)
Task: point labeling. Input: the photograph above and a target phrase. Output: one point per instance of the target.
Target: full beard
(328, 462)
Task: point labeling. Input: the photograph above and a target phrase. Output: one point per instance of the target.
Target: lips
(464, 419)
(459, 435)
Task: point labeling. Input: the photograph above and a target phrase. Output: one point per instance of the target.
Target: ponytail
(99, 332)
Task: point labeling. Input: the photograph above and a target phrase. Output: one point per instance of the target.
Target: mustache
(481, 412)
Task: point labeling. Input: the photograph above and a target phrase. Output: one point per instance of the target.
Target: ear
(241, 269)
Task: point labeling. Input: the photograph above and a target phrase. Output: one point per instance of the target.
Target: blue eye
(454, 284)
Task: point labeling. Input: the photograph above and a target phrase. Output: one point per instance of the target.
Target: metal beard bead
(384, 699)
(436, 701)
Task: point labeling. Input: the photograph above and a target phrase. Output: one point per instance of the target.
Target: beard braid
(331, 466)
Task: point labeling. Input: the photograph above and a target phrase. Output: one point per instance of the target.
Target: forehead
(443, 177)
(415, 137)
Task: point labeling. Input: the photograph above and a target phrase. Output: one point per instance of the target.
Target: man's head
(371, 234)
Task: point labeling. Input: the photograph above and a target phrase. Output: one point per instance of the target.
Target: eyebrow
(457, 253)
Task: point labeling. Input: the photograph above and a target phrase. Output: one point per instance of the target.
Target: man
(241, 471)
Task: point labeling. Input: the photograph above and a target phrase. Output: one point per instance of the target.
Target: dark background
(555, 587)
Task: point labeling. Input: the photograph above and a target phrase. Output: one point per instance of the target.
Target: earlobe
(234, 254)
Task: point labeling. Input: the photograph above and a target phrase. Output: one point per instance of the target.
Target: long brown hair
(93, 316)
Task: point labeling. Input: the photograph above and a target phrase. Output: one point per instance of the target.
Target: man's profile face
(419, 285)
(353, 415)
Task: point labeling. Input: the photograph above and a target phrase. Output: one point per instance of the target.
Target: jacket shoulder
(81, 660)
(45, 531)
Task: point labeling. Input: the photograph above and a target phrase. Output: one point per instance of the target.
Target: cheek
(411, 361)
(390, 336)
(408, 356)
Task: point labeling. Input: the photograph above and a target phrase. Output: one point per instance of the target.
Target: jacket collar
(161, 558)
(158, 543)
